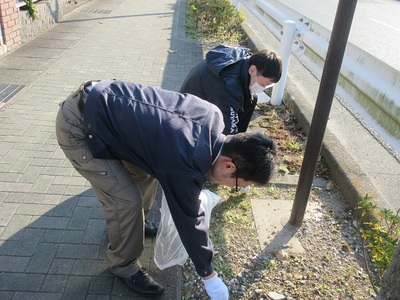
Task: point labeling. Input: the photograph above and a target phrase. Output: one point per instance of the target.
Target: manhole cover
(8, 91)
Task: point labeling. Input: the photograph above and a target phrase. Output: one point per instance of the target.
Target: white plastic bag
(168, 249)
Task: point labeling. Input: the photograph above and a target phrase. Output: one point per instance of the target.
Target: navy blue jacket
(171, 136)
(223, 79)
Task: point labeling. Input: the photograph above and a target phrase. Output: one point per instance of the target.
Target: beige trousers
(124, 191)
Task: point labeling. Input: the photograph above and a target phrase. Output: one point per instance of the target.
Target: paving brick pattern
(52, 232)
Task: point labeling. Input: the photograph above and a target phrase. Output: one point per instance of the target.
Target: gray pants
(124, 191)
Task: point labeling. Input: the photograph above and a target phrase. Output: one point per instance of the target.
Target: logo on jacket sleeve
(234, 119)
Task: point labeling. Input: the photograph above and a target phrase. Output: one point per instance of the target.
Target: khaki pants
(125, 191)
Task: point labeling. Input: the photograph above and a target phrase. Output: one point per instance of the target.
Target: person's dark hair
(254, 155)
(268, 64)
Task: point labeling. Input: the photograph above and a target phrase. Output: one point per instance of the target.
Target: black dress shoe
(151, 228)
(143, 284)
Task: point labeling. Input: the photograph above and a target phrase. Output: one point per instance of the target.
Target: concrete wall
(49, 12)
(17, 26)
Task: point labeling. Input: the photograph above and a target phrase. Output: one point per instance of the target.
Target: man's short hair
(268, 64)
(254, 155)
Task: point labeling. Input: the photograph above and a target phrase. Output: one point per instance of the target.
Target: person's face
(223, 172)
(265, 82)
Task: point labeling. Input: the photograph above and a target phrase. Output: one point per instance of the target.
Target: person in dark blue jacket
(230, 78)
(125, 138)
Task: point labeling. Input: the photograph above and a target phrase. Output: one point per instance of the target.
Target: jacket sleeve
(182, 195)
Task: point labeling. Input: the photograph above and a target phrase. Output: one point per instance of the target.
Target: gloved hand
(216, 288)
(245, 189)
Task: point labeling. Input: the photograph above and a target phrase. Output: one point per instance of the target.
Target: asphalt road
(375, 27)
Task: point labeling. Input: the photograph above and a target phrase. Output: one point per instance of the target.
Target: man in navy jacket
(230, 78)
(124, 138)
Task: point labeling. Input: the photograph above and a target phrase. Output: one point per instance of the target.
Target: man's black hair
(254, 155)
(268, 64)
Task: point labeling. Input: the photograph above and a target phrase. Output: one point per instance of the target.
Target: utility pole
(330, 74)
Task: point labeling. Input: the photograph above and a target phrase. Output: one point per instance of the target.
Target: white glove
(216, 288)
(245, 189)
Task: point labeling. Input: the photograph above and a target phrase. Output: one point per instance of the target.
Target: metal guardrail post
(330, 74)
(289, 28)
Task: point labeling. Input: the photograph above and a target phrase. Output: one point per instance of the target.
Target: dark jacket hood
(222, 56)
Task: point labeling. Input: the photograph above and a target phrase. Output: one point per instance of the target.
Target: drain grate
(8, 91)
(95, 11)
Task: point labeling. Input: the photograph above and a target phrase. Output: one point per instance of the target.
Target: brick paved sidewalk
(52, 232)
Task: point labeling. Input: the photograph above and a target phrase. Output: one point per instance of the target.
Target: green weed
(32, 9)
(380, 230)
(216, 20)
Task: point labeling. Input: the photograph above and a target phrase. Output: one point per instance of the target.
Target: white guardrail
(365, 79)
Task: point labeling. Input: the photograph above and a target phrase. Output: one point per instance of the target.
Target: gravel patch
(331, 267)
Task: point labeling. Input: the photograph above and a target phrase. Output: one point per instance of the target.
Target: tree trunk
(391, 279)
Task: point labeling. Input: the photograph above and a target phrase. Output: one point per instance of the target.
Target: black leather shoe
(143, 284)
(151, 228)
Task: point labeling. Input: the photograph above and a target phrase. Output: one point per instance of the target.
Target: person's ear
(228, 167)
(252, 70)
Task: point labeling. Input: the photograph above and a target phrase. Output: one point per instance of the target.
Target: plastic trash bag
(168, 249)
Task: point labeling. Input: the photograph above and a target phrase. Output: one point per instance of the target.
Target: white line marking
(384, 24)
